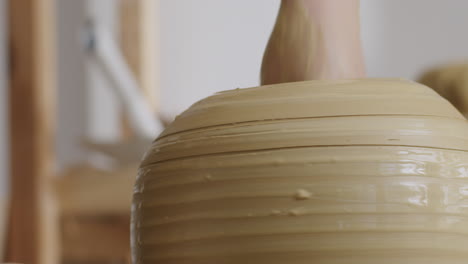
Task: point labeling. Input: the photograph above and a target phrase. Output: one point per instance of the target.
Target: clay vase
(325, 172)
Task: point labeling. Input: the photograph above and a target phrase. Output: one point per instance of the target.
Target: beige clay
(325, 172)
(451, 82)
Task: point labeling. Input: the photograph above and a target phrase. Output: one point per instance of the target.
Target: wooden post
(32, 229)
(139, 29)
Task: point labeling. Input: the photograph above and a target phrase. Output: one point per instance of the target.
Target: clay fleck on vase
(324, 172)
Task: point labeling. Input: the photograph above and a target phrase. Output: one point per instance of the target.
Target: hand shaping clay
(314, 40)
(325, 172)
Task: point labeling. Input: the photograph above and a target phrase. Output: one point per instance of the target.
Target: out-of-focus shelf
(85, 190)
(96, 239)
(94, 207)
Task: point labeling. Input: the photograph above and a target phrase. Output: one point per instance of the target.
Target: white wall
(71, 83)
(403, 37)
(211, 45)
(103, 112)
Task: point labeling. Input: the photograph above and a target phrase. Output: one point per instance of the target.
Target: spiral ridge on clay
(320, 172)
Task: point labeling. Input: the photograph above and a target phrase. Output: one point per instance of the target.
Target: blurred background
(79, 79)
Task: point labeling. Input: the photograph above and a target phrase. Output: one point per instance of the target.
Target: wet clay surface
(359, 171)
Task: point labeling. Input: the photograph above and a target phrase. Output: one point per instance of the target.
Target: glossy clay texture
(324, 172)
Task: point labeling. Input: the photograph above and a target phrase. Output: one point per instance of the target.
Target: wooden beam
(139, 29)
(32, 229)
